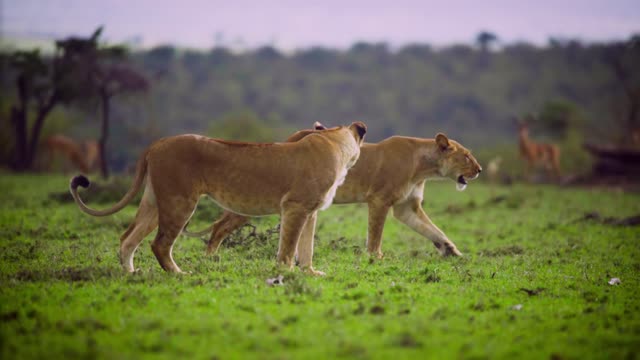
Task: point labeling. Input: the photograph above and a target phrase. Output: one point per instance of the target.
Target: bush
(246, 126)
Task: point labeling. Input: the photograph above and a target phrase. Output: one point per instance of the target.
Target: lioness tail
(82, 181)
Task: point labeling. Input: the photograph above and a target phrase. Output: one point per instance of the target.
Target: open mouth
(461, 184)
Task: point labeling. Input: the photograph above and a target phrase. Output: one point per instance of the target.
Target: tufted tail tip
(80, 180)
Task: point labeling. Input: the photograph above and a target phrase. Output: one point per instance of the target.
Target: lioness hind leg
(377, 217)
(145, 222)
(412, 214)
(223, 227)
(172, 218)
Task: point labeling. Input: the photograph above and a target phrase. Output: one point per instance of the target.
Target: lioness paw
(451, 251)
(314, 272)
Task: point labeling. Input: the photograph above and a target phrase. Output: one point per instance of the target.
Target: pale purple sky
(290, 24)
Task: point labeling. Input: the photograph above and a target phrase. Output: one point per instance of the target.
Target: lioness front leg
(292, 222)
(411, 213)
(222, 228)
(305, 246)
(377, 217)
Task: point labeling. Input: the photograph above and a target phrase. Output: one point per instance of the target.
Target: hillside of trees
(473, 93)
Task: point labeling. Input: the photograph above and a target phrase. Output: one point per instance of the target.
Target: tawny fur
(290, 179)
(389, 174)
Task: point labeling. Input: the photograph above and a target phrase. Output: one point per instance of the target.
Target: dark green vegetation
(466, 91)
(533, 284)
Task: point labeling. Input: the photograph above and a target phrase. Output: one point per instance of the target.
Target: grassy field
(533, 283)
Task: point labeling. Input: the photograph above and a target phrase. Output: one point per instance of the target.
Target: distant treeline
(473, 93)
(469, 92)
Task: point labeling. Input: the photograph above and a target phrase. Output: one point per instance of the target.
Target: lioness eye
(467, 158)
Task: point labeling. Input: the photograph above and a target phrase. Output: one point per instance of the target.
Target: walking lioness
(389, 174)
(291, 179)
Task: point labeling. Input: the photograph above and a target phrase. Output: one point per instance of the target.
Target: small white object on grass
(275, 281)
(517, 307)
(614, 281)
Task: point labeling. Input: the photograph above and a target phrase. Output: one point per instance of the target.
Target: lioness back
(249, 179)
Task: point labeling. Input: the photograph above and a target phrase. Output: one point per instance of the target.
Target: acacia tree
(101, 72)
(41, 86)
(115, 80)
(79, 70)
(484, 39)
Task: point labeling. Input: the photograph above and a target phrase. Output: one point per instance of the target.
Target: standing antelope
(538, 154)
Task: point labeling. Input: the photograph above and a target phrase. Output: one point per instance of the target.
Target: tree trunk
(632, 115)
(19, 121)
(43, 112)
(105, 99)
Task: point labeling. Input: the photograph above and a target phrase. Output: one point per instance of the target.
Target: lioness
(293, 179)
(389, 174)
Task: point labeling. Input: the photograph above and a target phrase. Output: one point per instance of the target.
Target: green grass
(63, 295)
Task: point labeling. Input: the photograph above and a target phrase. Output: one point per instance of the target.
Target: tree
(100, 71)
(623, 59)
(267, 54)
(114, 80)
(484, 39)
(41, 86)
(245, 126)
(557, 118)
(159, 59)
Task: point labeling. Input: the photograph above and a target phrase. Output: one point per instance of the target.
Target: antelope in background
(84, 155)
(538, 154)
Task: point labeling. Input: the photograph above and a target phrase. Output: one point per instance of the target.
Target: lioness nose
(479, 170)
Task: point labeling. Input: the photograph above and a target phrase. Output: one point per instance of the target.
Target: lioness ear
(359, 128)
(318, 126)
(442, 141)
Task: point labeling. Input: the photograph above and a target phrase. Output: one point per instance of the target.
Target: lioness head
(456, 162)
(357, 129)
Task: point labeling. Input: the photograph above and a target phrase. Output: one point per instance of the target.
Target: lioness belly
(243, 205)
(350, 192)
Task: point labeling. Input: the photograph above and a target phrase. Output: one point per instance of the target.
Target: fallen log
(611, 160)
